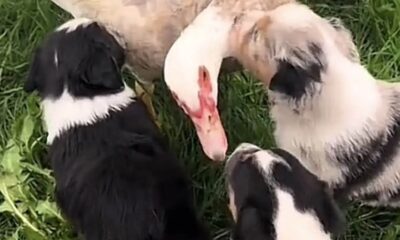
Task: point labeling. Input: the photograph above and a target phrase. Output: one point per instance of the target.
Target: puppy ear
(250, 226)
(344, 39)
(333, 217)
(34, 73)
(102, 71)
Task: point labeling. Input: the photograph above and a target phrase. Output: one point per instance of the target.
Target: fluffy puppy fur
(273, 197)
(115, 177)
(330, 112)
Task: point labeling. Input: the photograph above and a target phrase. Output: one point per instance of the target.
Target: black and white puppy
(115, 177)
(273, 197)
(330, 112)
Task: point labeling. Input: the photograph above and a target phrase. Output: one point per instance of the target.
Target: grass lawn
(27, 209)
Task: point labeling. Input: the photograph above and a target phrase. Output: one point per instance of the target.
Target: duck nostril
(237, 19)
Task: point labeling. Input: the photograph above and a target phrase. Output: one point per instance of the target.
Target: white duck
(149, 28)
(195, 60)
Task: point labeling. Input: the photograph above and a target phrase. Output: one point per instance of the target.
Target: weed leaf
(48, 209)
(8, 180)
(33, 235)
(15, 236)
(5, 207)
(11, 160)
(28, 126)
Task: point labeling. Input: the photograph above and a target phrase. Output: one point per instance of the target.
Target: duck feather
(149, 28)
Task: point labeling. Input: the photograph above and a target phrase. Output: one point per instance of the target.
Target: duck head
(191, 72)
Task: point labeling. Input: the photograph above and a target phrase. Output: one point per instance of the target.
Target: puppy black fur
(255, 204)
(115, 179)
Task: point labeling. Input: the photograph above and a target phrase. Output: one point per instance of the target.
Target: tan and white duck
(151, 27)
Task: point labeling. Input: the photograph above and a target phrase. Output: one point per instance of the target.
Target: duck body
(149, 27)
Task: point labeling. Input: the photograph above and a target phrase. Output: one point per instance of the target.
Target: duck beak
(211, 135)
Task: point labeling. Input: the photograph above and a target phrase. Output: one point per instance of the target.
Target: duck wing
(149, 27)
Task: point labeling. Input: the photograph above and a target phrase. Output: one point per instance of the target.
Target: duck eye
(255, 34)
(235, 20)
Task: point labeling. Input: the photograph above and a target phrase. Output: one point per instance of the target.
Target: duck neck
(213, 27)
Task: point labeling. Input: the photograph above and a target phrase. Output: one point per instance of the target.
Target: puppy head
(252, 201)
(253, 177)
(80, 57)
(290, 47)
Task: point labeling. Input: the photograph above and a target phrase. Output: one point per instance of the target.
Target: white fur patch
(244, 147)
(73, 24)
(265, 160)
(56, 58)
(291, 224)
(66, 111)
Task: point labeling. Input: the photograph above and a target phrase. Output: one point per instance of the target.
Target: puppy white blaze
(303, 225)
(66, 111)
(191, 73)
(243, 147)
(265, 160)
(73, 24)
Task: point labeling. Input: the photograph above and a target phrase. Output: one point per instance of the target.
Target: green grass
(27, 209)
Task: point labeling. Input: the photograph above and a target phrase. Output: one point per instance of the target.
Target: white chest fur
(66, 111)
